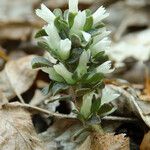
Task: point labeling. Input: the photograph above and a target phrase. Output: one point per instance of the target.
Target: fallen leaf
(17, 131)
(17, 77)
(3, 55)
(136, 45)
(60, 135)
(145, 145)
(15, 32)
(129, 103)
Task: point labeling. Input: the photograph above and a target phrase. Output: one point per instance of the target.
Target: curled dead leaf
(17, 77)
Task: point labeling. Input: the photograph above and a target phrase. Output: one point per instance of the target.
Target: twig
(40, 110)
(122, 119)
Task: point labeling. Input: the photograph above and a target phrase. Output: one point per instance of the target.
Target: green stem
(97, 128)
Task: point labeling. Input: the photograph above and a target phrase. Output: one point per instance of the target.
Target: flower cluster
(76, 42)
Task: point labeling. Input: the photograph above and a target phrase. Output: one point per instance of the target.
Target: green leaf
(86, 105)
(62, 27)
(71, 19)
(58, 87)
(100, 25)
(89, 23)
(53, 75)
(41, 33)
(75, 55)
(106, 110)
(73, 60)
(96, 31)
(80, 117)
(99, 85)
(93, 78)
(95, 105)
(101, 57)
(76, 41)
(44, 46)
(39, 62)
(88, 12)
(58, 13)
(82, 66)
(82, 91)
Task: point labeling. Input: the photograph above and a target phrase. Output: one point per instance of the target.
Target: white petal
(86, 36)
(82, 67)
(108, 95)
(53, 74)
(65, 46)
(102, 45)
(45, 14)
(79, 21)
(61, 70)
(73, 6)
(102, 34)
(105, 68)
(99, 15)
(50, 57)
(53, 36)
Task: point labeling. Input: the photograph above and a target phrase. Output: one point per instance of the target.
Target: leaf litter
(17, 77)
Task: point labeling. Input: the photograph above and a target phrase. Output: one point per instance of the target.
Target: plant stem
(97, 128)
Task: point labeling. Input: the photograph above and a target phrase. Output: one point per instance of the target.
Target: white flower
(102, 34)
(61, 47)
(48, 56)
(65, 46)
(53, 36)
(99, 15)
(79, 22)
(63, 72)
(86, 36)
(45, 14)
(82, 67)
(73, 6)
(105, 68)
(53, 74)
(101, 45)
(108, 95)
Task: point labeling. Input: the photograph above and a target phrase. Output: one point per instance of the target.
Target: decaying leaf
(60, 135)
(145, 145)
(129, 103)
(17, 77)
(17, 19)
(3, 54)
(105, 142)
(136, 45)
(17, 131)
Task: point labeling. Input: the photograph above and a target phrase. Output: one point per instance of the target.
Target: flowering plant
(76, 42)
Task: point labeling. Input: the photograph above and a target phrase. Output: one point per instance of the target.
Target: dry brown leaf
(129, 103)
(17, 77)
(15, 32)
(17, 131)
(60, 135)
(3, 55)
(145, 145)
(17, 19)
(105, 142)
